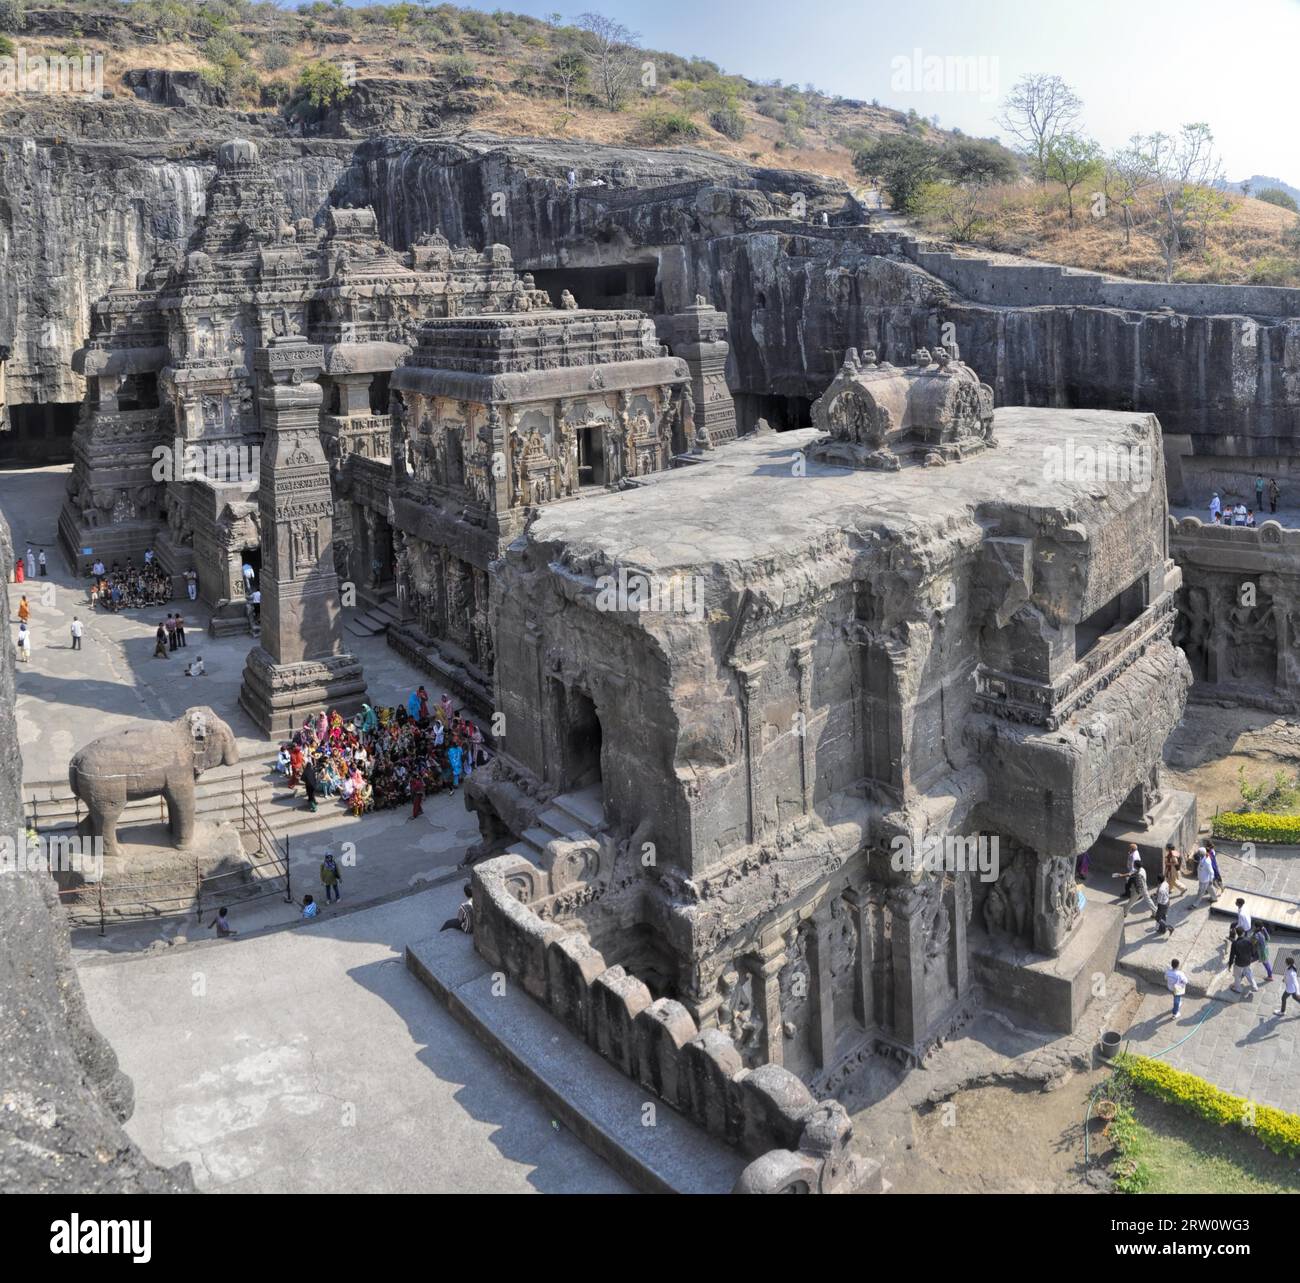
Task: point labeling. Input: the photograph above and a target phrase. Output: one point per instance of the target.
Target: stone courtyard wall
(800, 1145)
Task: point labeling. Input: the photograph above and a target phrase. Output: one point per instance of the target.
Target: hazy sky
(1139, 65)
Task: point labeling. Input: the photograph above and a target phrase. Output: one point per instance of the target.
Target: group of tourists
(29, 565)
(130, 587)
(1238, 514)
(385, 757)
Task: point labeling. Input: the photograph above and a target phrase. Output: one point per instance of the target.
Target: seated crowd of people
(129, 587)
(383, 757)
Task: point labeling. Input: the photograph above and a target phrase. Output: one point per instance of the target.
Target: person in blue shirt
(310, 909)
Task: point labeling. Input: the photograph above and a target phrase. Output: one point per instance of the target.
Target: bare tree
(613, 53)
(1131, 167)
(569, 70)
(1038, 110)
(1186, 171)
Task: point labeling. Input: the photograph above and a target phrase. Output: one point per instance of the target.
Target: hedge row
(1277, 1129)
(1257, 826)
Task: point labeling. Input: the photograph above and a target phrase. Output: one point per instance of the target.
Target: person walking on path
(1216, 507)
(1241, 954)
(1177, 983)
(40, 561)
(309, 782)
(1162, 908)
(1140, 894)
(1173, 866)
(1213, 856)
(1204, 876)
(160, 643)
(76, 632)
(180, 629)
(24, 643)
(222, 925)
(1261, 938)
(1259, 492)
(417, 795)
(1274, 490)
(171, 633)
(1290, 985)
(24, 610)
(330, 877)
(31, 563)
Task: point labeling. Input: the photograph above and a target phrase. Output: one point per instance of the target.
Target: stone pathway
(1241, 1044)
(310, 1060)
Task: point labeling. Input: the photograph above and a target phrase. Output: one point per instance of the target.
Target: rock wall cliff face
(62, 1096)
(77, 217)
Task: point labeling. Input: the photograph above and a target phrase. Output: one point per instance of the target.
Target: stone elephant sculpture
(146, 761)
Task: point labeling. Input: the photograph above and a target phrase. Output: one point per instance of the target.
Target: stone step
(601, 1106)
(585, 808)
(561, 825)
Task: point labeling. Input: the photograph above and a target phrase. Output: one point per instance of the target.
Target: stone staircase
(50, 807)
(570, 816)
(374, 621)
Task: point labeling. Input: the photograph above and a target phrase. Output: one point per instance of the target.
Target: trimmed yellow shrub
(1276, 1128)
(1257, 826)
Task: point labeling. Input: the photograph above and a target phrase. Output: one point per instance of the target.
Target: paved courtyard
(66, 698)
(310, 1060)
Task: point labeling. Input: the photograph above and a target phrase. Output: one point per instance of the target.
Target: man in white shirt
(1204, 876)
(1177, 983)
(1290, 985)
(1162, 908)
(76, 633)
(1216, 506)
(1243, 918)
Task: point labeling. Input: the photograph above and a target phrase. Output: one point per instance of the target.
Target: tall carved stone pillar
(803, 658)
(864, 923)
(765, 970)
(699, 336)
(300, 665)
(908, 964)
(750, 676)
(823, 1005)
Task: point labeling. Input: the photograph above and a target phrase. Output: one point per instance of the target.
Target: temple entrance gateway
(581, 740)
(591, 455)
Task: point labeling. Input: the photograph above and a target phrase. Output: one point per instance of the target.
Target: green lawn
(1183, 1154)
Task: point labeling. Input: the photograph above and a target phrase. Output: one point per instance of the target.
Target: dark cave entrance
(608, 288)
(581, 740)
(39, 434)
(783, 413)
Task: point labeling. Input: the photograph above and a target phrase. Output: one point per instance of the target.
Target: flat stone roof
(745, 502)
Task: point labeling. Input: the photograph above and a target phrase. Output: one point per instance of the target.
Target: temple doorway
(591, 456)
(582, 742)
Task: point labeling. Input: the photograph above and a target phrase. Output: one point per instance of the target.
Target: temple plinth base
(278, 696)
(1050, 991)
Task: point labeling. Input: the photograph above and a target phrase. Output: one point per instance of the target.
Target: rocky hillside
(348, 72)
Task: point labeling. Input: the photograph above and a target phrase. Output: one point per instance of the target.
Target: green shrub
(663, 125)
(6, 47)
(1274, 1128)
(276, 57)
(1276, 196)
(322, 85)
(729, 122)
(458, 68)
(13, 15)
(1257, 826)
